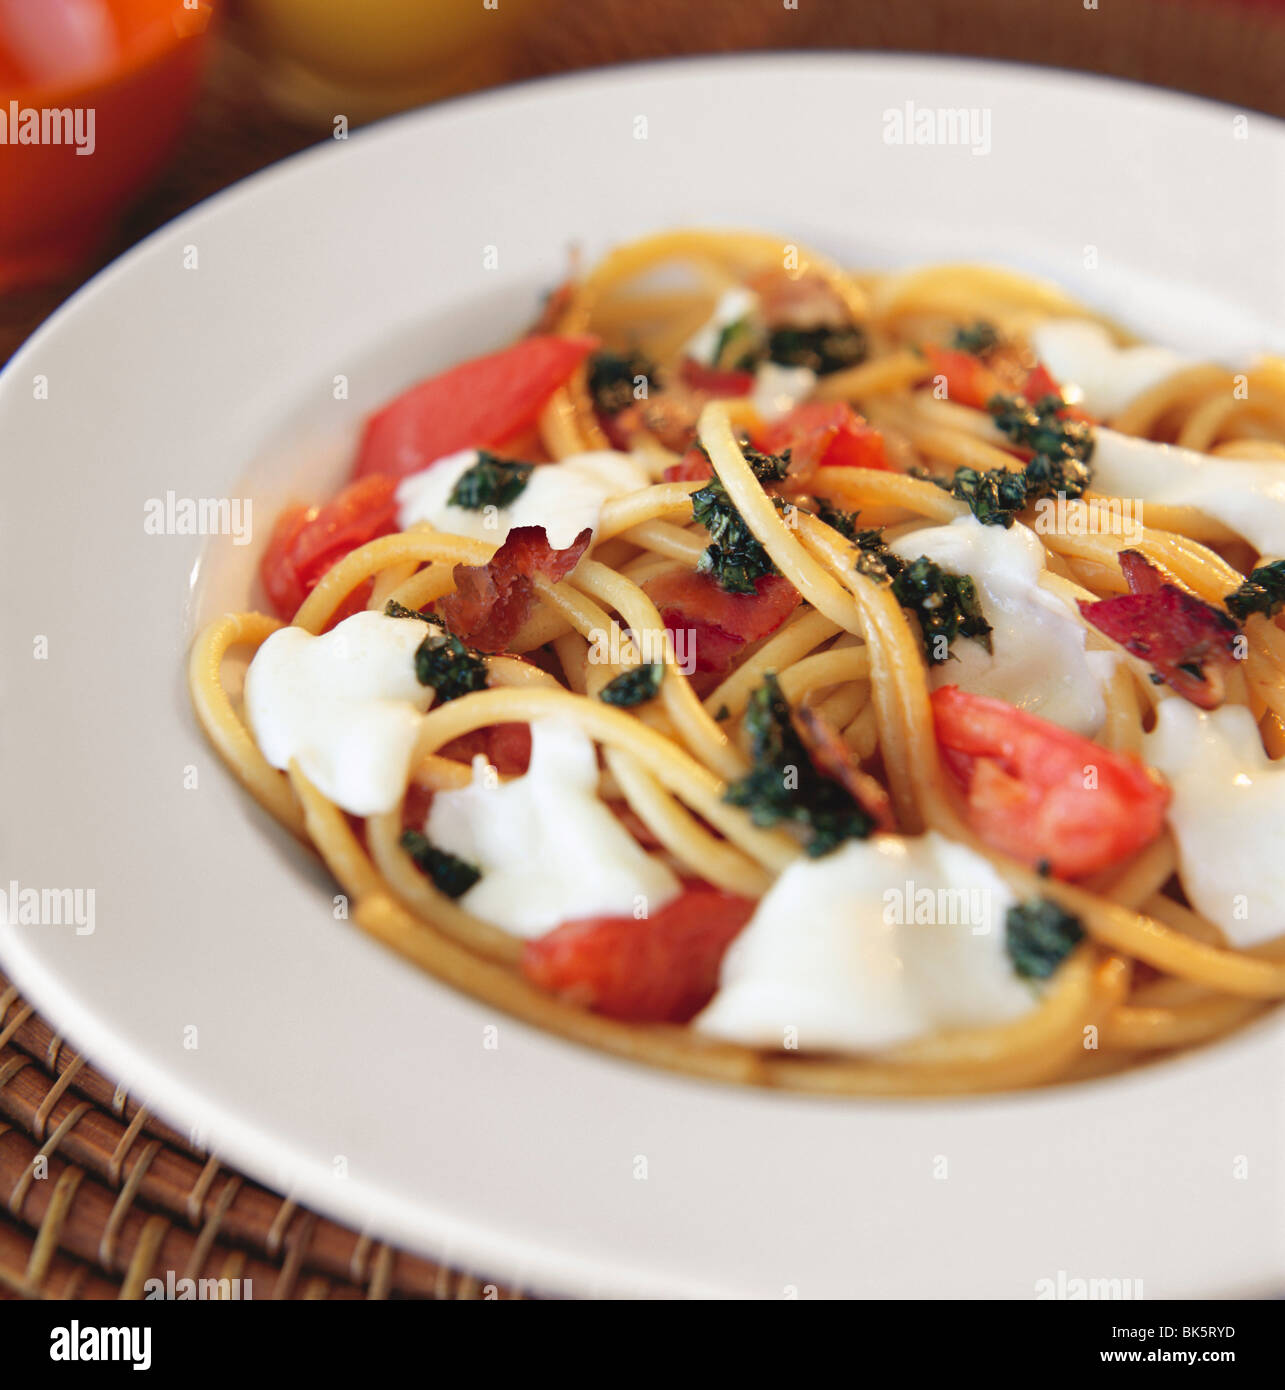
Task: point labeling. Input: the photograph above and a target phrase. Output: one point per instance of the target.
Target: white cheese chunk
(881, 941)
(549, 849)
(346, 705)
(1246, 495)
(777, 389)
(1227, 812)
(1082, 354)
(733, 305)
(1038, 659)
(562, 497)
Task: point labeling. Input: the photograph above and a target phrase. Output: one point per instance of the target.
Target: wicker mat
(99, 1197)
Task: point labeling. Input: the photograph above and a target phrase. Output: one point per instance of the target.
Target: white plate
(326, 1066)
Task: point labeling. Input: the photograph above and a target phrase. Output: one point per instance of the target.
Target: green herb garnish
(823, 350)
(450, 875)
(1041, 427)
(1039, 935)
(490, 482)
(785, 786)
(979, 338)
(613, 379)
(946, 605)
(734, 556)
(633, 687)
(1062, 449)
(739, 347)
(1263, 592)
(994, 497)
(441, 659)
(845, 523)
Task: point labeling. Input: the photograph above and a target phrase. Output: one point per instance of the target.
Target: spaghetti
(765, 400)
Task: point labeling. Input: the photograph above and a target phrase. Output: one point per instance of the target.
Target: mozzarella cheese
(562, 497)
(347, 706)
(550, 851)
(1081, 353)
(1038, 659)
(777, 389)
(881, 941)
(1247, 495)
(1226, 816)
(733, 305)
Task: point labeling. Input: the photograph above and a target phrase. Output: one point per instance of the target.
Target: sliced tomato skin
(826, 434)
(476, 404)
(718, 624)
(694, 466)
(969, 381)
(1041, 794)
(308, 541)
(715, 381)
(662, 969)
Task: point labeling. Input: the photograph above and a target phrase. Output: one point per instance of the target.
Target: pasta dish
(856, 683)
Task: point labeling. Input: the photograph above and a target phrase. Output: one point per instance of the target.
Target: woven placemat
(96, 1195)
(99, 1197)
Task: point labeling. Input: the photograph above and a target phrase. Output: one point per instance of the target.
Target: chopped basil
(1041, 427)
(450, 875)
(978, 338)
(634, 687)
(441, 659)
(845, 523)
(823, 350)
(739, 346)
(785, 786)
(735, 557)
(612, 378)
(1263, 592)
(994, 497)
(1039, 935)
(946, 605)
(490, 482)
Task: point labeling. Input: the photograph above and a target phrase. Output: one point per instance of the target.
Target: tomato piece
(474, 405)
(1041, 794)
(824, 434)
(969, 381)
(694, 466)
(662, 969)
(711, 625)
(308, 541)
(280, 579)
(1040, 382)
(715, 381)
